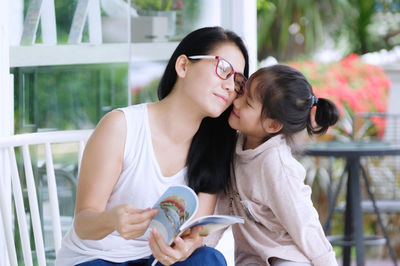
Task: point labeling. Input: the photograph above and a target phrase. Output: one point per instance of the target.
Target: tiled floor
(225, 245)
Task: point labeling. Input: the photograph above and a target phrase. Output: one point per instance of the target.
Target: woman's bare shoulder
(109, 135)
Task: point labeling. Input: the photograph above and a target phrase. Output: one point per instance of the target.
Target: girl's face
(246, 116)
(205, 90)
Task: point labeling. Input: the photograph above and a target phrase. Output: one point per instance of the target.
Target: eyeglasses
(224, 70)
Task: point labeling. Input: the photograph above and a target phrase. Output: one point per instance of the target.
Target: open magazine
(177, 206)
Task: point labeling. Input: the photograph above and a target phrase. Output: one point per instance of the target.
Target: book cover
(176, 206)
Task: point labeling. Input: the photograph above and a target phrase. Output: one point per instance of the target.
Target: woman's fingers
(182, 249)
(161, 250)
(156, 250)
(189, 243)
(186, 249)
(138, 216)
(132, 222)
(195, 232)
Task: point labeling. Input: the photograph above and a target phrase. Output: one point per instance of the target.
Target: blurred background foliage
(291, 29)
(300, 33)
(67, 97)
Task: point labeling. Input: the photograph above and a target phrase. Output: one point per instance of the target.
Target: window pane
(67, 97)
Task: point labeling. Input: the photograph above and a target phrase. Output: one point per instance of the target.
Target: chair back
(376, 127)
(23, 144)
(383, 172)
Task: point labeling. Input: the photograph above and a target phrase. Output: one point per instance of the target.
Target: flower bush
(354, 86)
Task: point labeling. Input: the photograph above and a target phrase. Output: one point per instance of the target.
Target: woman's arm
(100, 170)
(206, 204)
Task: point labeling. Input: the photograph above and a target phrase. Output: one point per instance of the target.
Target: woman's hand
(180, 250)
(131, 222)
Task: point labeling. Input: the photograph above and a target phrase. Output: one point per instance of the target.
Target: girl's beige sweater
(280, 219)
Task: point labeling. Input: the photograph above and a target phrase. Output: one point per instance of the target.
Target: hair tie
(314, 101)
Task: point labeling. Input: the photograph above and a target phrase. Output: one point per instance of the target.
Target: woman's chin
(215, 112)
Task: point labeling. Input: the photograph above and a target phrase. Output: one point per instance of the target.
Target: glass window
(72, 63)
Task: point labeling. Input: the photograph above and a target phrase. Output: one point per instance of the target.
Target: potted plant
(160, 8)
(151, 20)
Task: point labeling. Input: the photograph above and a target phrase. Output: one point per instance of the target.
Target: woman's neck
(173, 118)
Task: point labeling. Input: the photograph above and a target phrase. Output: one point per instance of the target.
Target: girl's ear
(272, 126)
(181, 65)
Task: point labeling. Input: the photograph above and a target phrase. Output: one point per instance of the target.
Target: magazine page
(211, 223)
(175, 206)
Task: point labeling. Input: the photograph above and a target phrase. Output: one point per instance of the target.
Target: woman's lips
(223, 98)
(234, 114)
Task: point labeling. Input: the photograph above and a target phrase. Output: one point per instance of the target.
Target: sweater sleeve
(290, 201)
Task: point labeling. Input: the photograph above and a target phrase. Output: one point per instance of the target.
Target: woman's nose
(229, 84)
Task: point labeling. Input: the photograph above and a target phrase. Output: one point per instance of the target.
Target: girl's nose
(237, 101)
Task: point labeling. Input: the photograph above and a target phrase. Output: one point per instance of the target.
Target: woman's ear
(181, 65)
(272, 126)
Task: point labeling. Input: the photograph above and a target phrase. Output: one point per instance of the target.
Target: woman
(136, 152)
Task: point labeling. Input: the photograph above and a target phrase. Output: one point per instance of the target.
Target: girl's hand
(180, 250)
(130, 222)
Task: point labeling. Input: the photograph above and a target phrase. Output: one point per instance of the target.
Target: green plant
(159, 5)
(287, 29)
(366, 26)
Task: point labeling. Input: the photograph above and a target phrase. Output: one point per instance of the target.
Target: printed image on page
(176, 206)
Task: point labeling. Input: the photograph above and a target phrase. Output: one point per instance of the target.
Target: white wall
(393, 73)
(210, 13)
(242, 19)
(6, 116)
(16, 8)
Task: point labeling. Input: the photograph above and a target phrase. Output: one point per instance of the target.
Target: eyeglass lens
(225, 70)
(240, 82)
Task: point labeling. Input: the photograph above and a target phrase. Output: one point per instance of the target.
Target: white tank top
(141, 183)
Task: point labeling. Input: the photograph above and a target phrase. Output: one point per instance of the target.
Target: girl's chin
(232, 123)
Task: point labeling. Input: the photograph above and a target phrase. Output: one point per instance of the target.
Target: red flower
(350, 83)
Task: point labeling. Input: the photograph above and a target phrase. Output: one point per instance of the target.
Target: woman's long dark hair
(212, 147)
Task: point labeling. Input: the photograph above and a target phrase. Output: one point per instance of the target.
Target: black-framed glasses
(224, 70)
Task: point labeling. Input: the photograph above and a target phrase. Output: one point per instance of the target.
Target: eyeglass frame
(233, 72)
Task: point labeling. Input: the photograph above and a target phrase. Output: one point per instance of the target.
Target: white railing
(25, 141)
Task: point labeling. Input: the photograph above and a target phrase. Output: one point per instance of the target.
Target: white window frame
(237, 15)
(6, 119)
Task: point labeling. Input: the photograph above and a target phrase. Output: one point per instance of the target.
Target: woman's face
(208, 92)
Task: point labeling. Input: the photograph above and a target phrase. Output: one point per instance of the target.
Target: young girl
(281, 225)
